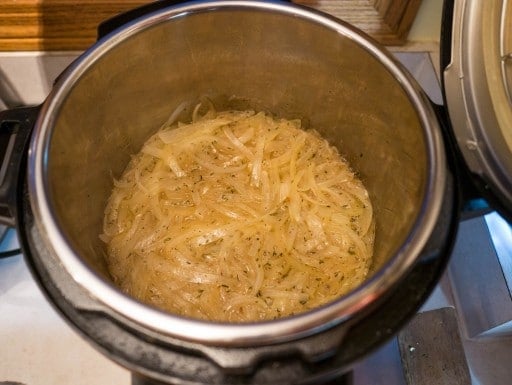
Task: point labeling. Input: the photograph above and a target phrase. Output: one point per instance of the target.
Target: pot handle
(117, 21)
(15, 129)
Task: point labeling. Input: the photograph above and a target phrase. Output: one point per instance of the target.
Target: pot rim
(229, 334)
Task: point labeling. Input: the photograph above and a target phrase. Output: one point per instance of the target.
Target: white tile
(27, 78)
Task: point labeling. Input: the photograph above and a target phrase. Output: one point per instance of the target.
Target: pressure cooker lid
(478, 90)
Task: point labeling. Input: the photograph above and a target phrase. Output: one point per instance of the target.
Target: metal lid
(478, 89)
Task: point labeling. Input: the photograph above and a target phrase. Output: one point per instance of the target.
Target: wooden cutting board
(48, 25)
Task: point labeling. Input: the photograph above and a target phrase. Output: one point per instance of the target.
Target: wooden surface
(71, 25)
(431, 350)
(398, 14)
(54, 24)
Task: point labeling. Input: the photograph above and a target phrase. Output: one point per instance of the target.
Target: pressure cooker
(423, 166)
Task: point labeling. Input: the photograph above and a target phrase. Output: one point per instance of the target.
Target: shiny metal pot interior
(270, 56)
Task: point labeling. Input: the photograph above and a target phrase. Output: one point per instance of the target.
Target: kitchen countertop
(39, 348)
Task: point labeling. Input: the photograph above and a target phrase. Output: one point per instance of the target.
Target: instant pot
(422, 164)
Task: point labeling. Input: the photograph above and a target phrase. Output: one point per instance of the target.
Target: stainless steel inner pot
(284, 59)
